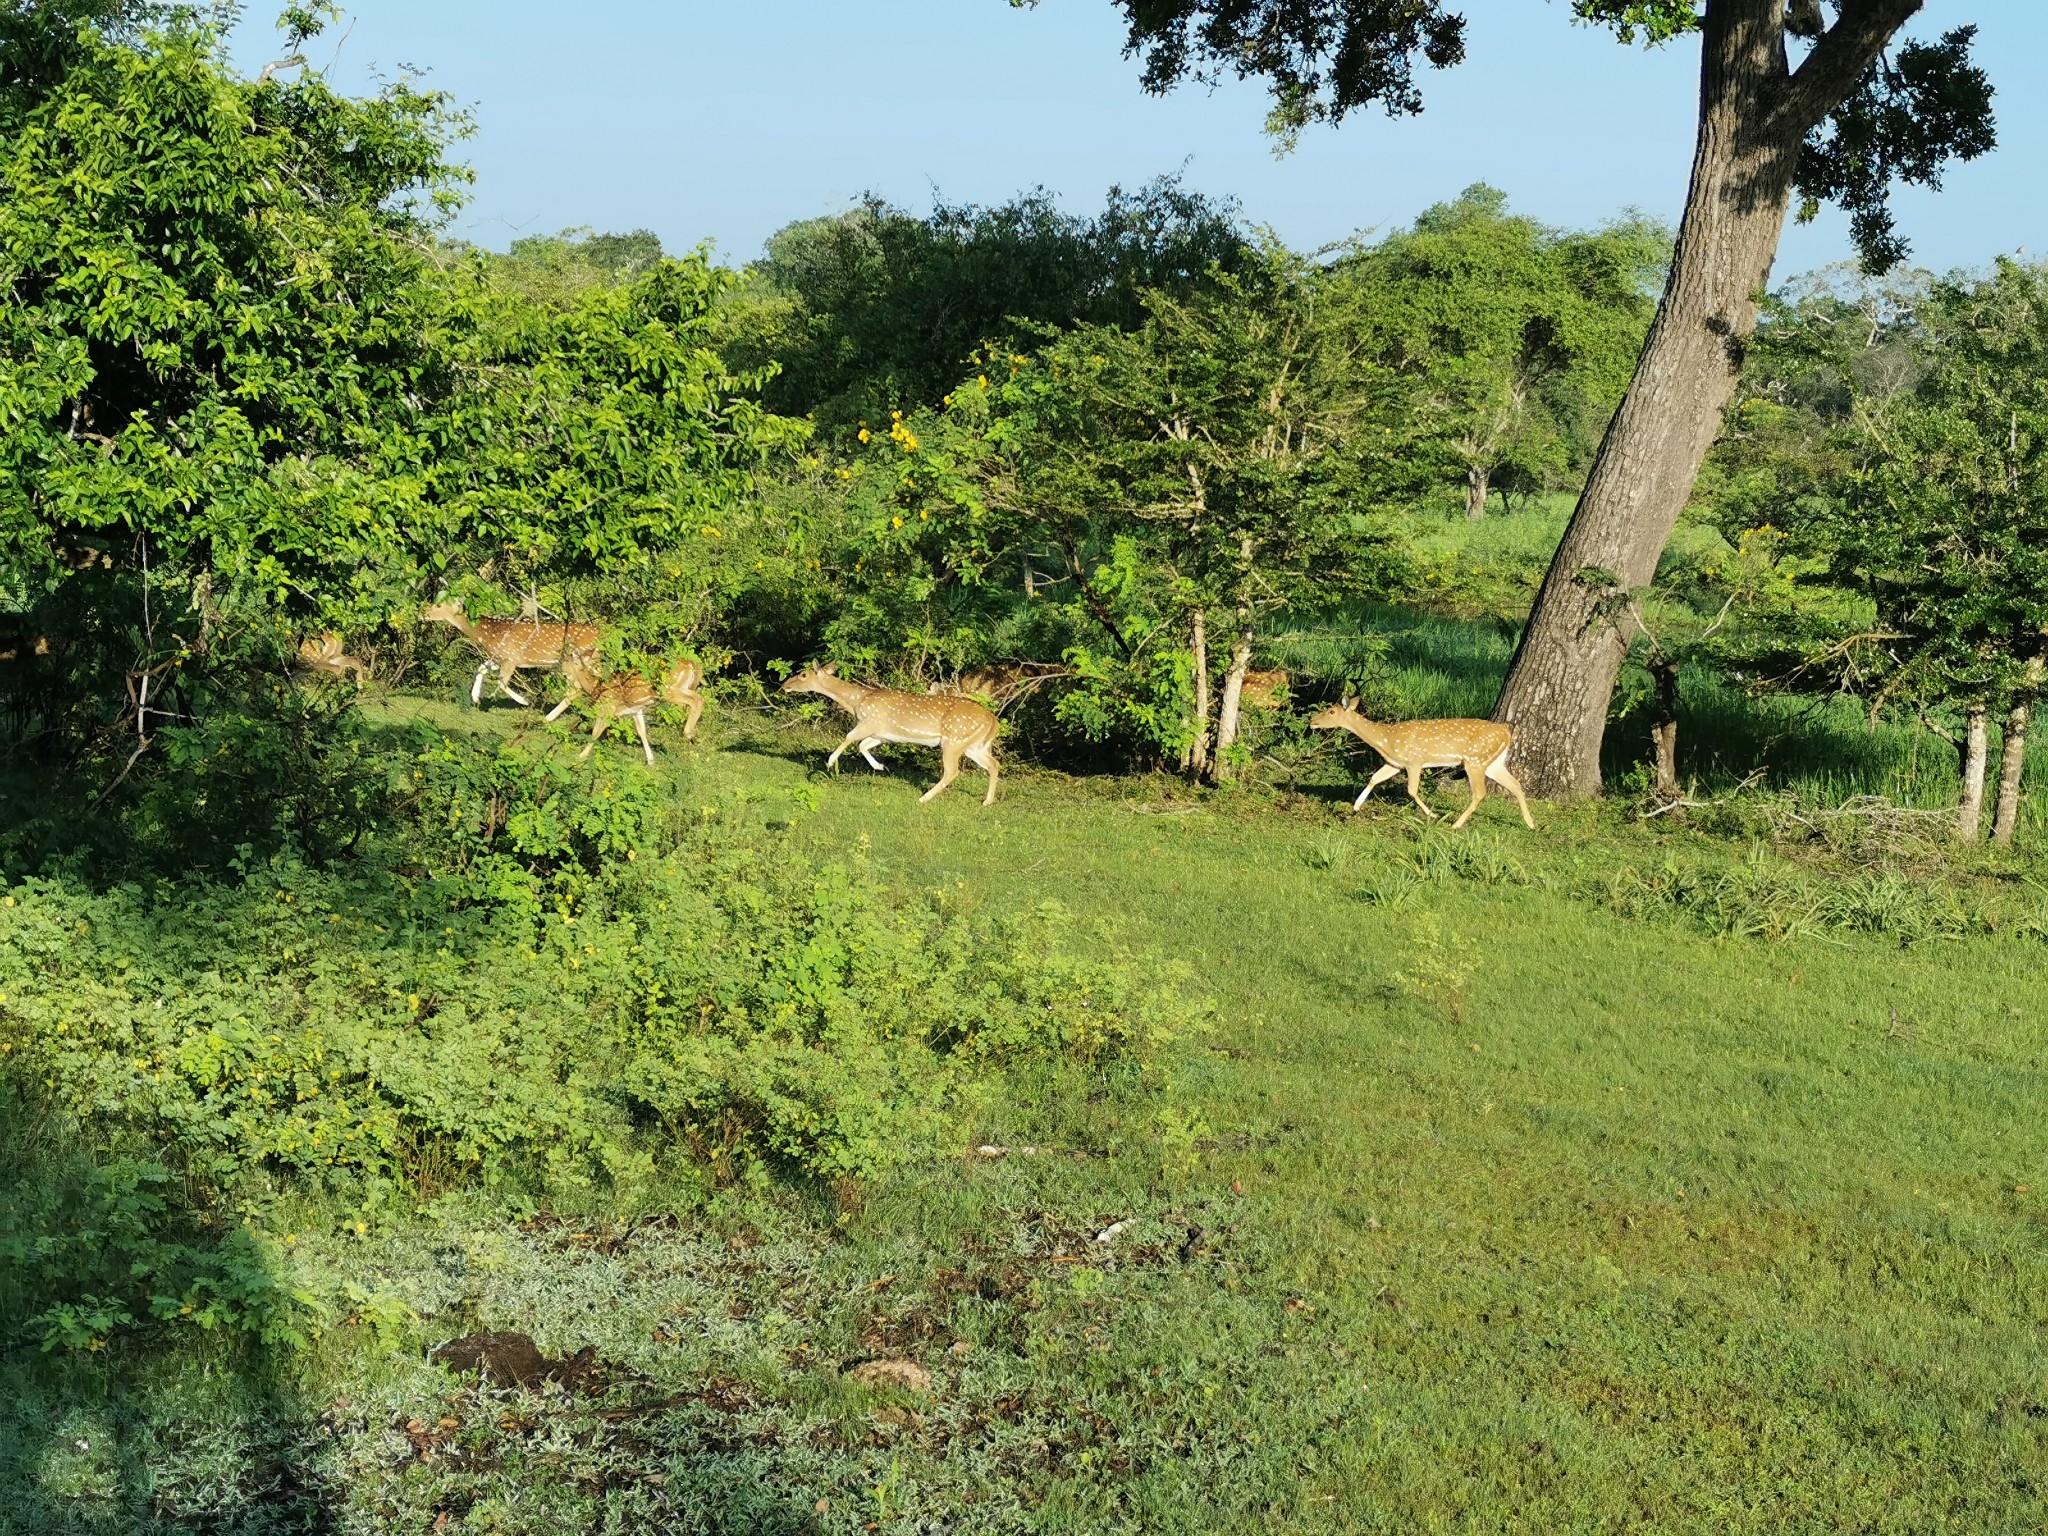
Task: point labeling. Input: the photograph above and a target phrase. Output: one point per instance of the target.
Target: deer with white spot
(628, 695)
(510, 645)
(959, 728)
(1480, 747)
(326, 653)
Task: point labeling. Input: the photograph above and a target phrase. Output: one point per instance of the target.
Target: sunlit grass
(1483, 1208)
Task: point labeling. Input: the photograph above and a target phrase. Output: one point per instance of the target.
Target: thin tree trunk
(1665, 731)
(1476, 479)
(1198, 753)
(2012, 762)
(1231, 710)
(1752, 120)
(1976, 754)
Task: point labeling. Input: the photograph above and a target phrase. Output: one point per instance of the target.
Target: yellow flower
(863, 434)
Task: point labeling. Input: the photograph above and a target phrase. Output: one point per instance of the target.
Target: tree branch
(1841, 57)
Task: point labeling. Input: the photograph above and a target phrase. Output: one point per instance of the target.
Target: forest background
(289, 958)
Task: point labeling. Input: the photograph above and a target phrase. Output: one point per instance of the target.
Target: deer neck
(1371, 732)
(847, 695)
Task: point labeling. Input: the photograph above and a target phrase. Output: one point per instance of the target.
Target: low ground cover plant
(555, 986)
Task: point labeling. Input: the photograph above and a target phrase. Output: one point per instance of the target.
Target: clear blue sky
(722, 120)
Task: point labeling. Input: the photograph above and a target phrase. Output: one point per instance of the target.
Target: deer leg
(852, 736)
(640, 725)
(1498, 772)
(476, 689)
(867, 750)
(949, 758)
(505, 676)
(598, 727)
(1415, 789)
(1387, 771)
(562, 708)
(984, 757)
(1476, 776)
(694, 703)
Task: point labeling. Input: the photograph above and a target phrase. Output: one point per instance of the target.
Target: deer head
(811, 679)
(1342, 716)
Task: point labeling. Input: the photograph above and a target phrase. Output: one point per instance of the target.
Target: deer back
(624, 692)
(527, 643)
(1439, 742)
(1263, 687)
(939, 716)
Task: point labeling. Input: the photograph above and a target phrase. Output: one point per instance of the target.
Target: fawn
(1480, 747)
(628, 696)
(957, 727)
(323, 653)
(512, 644)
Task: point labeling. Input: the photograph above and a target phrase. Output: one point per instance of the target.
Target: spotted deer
(1263, 689)
(324, 653)
(957, 727)
(628, 695)
(513, 645)
(1480, 747)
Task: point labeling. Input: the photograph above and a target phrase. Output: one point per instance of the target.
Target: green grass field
(1483, 1208)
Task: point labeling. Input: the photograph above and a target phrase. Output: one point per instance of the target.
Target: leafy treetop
(1897, 121)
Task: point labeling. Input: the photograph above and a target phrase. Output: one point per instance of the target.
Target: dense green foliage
(1509, 1178)
(1521, 338)
(876, 310)
(1900, 120)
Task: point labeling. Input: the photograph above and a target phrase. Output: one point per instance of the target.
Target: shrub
(583, 996)
(87, 1250)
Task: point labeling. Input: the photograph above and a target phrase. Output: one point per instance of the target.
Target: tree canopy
(875, 309)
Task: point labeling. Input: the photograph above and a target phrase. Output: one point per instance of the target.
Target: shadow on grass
(138, 1424)
(113, 1419)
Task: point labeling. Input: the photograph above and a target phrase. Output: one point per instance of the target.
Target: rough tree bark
(1754, 112)
(2012, 761)
(1198, 752)
(1477, 478)
(1976, 754)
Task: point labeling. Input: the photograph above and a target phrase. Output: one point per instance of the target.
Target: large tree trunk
(1752, 119)
(1198, 751)
(2012, 762)
(1232, 709)
(1477, 477)
(1976, 754)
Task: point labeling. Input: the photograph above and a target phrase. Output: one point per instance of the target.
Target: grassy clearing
(1484, 1208)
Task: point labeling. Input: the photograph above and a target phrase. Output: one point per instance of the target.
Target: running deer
(628, 696)
(957, 727)
(323, 653)
(1480, 747)
(510, 645)
(1263, 689)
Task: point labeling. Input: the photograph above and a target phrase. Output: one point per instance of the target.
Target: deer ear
(1350, 702)
(830, 669)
